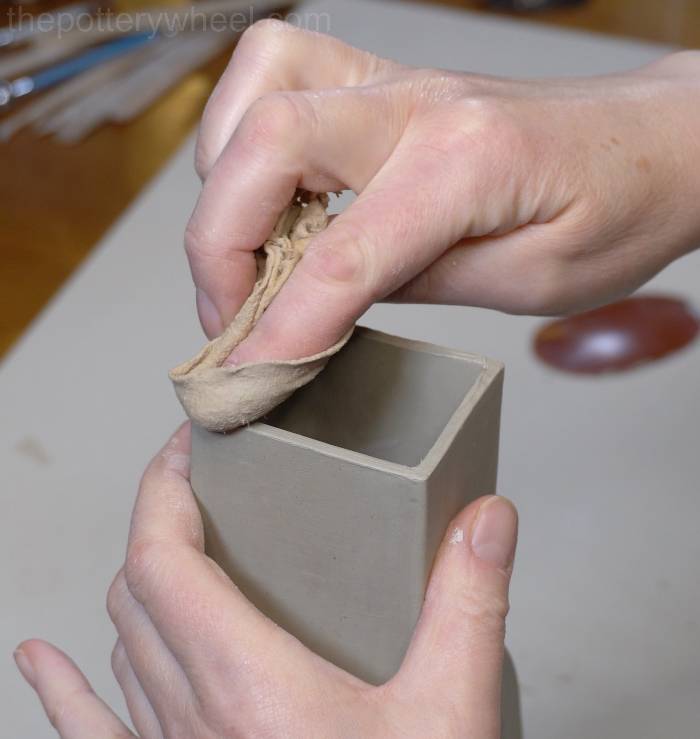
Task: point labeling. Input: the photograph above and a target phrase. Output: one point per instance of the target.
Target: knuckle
(115, 596)
(259, 52)
(505, 129)
(365, 67)
(268, 710)
(346, 259)
(485, 614)
(208, 133)
(145, 565)
(118, 660)
(202, 157)
(60, 713)
(480, 125)
(55, 713)
(198, 243)
(430, 86)
(485, 113)
(445, 147)
(273, 118)
(262, 34)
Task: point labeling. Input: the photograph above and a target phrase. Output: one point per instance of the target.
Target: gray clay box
(328, 514)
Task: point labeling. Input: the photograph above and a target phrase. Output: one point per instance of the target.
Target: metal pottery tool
(68, 94)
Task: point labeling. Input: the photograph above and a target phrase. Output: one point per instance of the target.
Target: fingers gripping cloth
(222, 397)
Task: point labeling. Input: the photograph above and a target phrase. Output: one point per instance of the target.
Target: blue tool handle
(105, 52)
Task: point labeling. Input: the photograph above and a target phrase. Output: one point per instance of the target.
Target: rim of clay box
(490, 370)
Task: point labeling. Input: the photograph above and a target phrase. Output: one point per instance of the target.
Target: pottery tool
(586, 460)
(78, 88)
(54, 75)
(52, 46)
(128, 95)
(141, 90)
(83, 114)
(119, 89)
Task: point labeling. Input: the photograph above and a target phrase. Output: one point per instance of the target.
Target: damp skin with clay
(221, 396)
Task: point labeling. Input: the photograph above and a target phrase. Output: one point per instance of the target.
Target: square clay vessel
(329, 513)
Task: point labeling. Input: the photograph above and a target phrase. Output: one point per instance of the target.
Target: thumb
(456, 655)
(370, 250)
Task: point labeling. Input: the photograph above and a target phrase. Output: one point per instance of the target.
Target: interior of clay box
(379, 399)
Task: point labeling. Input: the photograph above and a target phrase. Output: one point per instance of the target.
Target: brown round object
(618, 336)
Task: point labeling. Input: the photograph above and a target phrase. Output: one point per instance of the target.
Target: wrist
(678, 122)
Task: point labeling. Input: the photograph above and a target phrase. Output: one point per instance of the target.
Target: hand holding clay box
(328, 514)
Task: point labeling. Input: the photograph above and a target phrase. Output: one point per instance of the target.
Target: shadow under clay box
(329, 513)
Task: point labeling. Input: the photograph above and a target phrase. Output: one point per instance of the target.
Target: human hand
(194, 658)
(542, 196)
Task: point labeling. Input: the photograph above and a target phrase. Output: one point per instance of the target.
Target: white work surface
(605, 624)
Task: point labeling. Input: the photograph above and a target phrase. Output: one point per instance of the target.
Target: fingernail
(495, 532)
(24, 666)
(241, 354)
(208, 314)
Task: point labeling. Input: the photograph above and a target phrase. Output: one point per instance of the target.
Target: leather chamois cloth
(221, 397)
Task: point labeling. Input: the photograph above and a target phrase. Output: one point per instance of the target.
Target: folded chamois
(221, 397)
